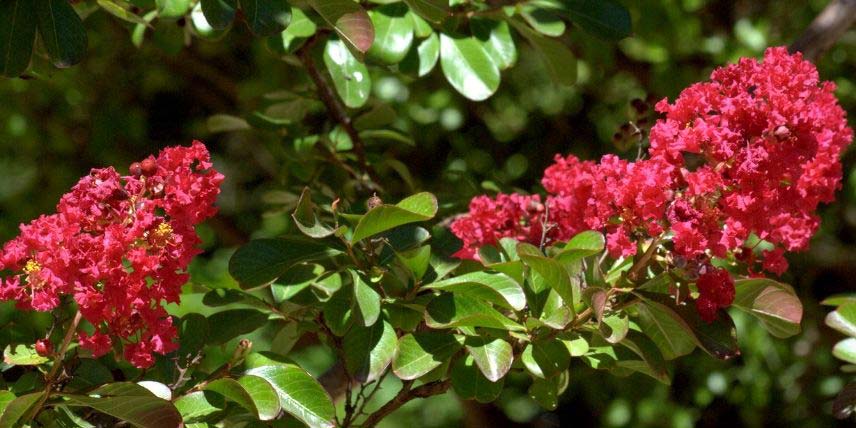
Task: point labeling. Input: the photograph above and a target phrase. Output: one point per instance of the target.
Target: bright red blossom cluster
(768, 136)
(120, 245)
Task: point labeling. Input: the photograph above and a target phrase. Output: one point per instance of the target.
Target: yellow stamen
(32, 266)
(164, 230)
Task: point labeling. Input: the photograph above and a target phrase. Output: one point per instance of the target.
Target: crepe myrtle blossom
(119, 246)
(765, 139)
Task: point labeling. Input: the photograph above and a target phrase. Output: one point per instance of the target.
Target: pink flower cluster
(120, 246)
(765, 138)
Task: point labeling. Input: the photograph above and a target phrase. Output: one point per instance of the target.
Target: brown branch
(60, 353)
(832, 22)
(405, 395)
(335, 107)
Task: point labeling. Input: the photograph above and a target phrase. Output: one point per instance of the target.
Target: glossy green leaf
(718, 338)
(22, 355)
(366, 298)
(497, 288)
(264, 260)
(227, 325)
(650, 361)
(131, 403)
(393, 33)
(17, 35)
(300, 394)
(775, 304)
(614, 328)
(62, 32)
(672, 335)
(416, 260)
(416, 208)
(493, 356)
(338, 311)
(450, 310)
(370, 350)
(173, 8)
(266, 17)
(544, 21)
(845, 350)
(219, 13)
(350, 21)
(559, 60)
(195, 406)
(265, 398)
(470, 384)
(843, 319)
(468, 67)
(582, 245)
(839, 299)
(233, 390)
(157, 389)
(545, 392)
(350, 77)
(300, 29)
(6, 397)
(428, 53)
(432, 10)
(555, 275)
(546, 359)
(306, 218)
(606, 19)
(496, 38)
(20, 409)
(421, 352)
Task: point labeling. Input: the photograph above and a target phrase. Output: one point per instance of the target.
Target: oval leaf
(62, 32)
(369, 350)
(350, 77)
(299, 394)
(419, 207)
(468, 67)
(493, 356)
(497, 288)
(350, 21)
(263, 260)
(419, 353)
(17, 34)
(393, 33)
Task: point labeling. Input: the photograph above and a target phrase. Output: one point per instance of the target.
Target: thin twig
(835, 19)
(335, 107)
(404, 396)
(643, 261)
(60, 353)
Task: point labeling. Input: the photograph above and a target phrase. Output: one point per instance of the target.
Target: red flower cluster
(120, 245)
(715, 290)
(768, 136)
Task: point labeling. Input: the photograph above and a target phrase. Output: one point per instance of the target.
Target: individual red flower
(119, 246)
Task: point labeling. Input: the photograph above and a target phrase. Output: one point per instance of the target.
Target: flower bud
(149, 167)
(44, 347)
(136, 170)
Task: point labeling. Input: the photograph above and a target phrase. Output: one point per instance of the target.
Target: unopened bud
(148, 167)
(136, 169)
(374, 201)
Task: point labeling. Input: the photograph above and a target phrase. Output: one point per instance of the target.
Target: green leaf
(432, 10)
(845, 350)
(219, 13)
(350, 77)
(555, 275)
(468, 67)
(157, 389)
(582, 245)
(6, 397)
(23, 355)
(227, 325)
(17, 34)
(62, 32)
(545, 392)
(469, 383)
(131, 403)
(773, 303)
(450, 310)
(299, 394)
(672, 335)
(393, 33)
(651, 363)
(419, 353)
(366, 298)
(195, 406)
(428, 53)
(193, 331)
(416, 208)
(265, 398)
(543, 20)
(558, 58)
(226, 123)
(121, 11)
(306, 218)
(718, 338)
(496, 39)
(21, 409)
(173, 8)
(839, 299)
(416, 260)
(350, 21)
(843, 319)
(614, 328)
(338, 312)
(370, 350)
(497, 288)
(606, 19)
(264, 260)
(546, 359)
(266, 17)
(233, 390)
(493, 356)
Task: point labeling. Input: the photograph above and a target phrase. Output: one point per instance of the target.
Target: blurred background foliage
(125, 102)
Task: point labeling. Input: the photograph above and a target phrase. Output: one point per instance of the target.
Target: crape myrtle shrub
(623, 266)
